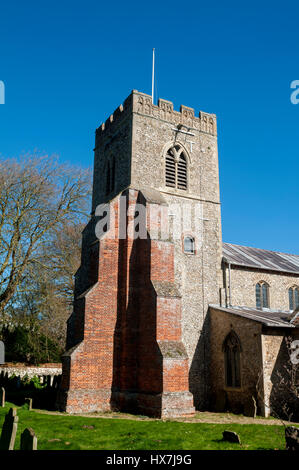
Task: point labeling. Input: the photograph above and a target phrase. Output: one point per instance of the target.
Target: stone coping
(52, 365)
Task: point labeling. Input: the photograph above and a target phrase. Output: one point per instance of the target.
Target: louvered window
(176, 168)
(182, 172)
(170, 171)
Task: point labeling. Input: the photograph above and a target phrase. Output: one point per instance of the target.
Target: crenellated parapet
(141, 103)
(205, 122)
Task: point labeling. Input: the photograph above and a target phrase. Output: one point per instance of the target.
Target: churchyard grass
(63, 432)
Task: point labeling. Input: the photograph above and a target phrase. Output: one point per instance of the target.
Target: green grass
(62, 432)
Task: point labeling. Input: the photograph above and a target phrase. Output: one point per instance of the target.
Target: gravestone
(28, 401)
(2, 397)
(9, 430)
(231, 436)
(292, 438)
(28, 440)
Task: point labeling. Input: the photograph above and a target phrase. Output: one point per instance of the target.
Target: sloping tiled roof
(269, 318)
(260, 259)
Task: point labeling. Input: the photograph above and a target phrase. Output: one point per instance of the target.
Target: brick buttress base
(125, 350)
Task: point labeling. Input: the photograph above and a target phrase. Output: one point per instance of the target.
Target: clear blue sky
(67, 65)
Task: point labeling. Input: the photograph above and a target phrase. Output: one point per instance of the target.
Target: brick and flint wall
(102, 329)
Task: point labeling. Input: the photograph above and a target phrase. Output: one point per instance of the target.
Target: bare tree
(38, 198)
(52, 281)
(61, 259)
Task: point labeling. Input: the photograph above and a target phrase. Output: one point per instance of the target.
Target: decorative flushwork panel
(142, 104)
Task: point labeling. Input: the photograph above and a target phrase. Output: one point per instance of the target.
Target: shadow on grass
(41, 399)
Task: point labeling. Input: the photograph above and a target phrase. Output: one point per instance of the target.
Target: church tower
(151, 264)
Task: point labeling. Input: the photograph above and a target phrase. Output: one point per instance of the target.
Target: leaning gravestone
(231, 436)
(2, 397)
(292, 438)
(9, 430)
(28, 440)
(28, 401)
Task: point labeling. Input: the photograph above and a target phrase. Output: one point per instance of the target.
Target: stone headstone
(231, 436)
(2, 397)
(292, 438)
(9, 430)
(28, 440)
(28, 401)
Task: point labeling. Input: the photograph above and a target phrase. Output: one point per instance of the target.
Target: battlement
(141, 103)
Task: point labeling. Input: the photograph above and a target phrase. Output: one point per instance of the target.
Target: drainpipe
(229, 296)
(229, 287)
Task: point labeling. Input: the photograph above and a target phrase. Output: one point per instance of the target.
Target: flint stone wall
(44, 372)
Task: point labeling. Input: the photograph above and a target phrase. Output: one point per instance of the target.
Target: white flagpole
(153, 75)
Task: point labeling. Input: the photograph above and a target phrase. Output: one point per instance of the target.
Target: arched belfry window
(176, 168)
(294, 297)
(232, 351)
(262, 295)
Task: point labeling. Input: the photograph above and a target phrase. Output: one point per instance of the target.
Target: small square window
(189, 245)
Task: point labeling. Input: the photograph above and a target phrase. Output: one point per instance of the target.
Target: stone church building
(168, 319)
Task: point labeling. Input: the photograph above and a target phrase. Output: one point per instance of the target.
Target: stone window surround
(293, 288)
(262, 283)
(233, 388)
(189, 235)
(170, 189)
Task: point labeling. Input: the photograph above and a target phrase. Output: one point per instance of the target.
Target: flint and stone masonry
(138, 337)
(151, 319)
